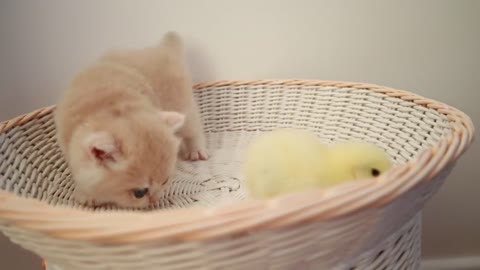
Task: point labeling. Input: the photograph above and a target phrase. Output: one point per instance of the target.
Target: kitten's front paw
(194, 149)
(154, 200)
(90, 203)
(84, 200)
(196, 155)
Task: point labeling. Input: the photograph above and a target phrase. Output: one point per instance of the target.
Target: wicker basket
(371, 224)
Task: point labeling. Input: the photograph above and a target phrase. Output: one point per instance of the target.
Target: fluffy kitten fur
(123, 121)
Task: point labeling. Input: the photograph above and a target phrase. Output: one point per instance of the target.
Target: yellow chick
(289, 160)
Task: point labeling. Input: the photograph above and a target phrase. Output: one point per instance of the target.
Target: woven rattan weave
(203, 221)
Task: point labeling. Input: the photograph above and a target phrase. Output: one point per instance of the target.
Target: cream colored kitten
(123, 120)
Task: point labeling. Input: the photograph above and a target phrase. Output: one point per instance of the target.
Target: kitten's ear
(101, 146)
(174, 120)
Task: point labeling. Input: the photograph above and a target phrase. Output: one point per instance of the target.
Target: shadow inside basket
(32, 164)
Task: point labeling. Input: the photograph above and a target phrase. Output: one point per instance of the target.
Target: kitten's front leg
(193, 139)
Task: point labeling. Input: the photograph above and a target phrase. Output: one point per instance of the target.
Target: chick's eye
(140, 192)
(375, 172)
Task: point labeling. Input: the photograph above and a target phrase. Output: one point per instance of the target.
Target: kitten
(123, 121)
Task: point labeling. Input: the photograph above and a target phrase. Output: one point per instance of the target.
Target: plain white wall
(428, 47)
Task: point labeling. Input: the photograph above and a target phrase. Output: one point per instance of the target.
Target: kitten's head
(127, 161)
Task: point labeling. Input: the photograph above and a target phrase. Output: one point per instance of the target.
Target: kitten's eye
(375, 172)
(140, 192)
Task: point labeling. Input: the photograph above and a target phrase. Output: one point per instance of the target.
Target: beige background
(428, 47)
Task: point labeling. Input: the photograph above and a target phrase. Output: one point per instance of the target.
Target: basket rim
(200, 224)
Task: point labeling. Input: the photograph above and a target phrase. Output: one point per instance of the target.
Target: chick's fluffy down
(283, 160)
(287, 160)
